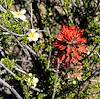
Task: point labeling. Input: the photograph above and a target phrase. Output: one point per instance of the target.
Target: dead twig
(50, 49)
(2, 8)
(23, 48)
(56, 75)
(30, 50)
(36, 89)
(85, 83)
(9, 71)
(5, 3)
(10, 32)
(31, 14)
(11, 88)
(17, 69)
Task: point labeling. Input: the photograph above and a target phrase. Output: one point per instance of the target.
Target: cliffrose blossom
(31, 80)
(35, 81)
(19, 14)
(33, 35)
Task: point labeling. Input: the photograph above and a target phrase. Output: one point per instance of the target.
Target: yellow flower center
(18, 13)
(32, 35)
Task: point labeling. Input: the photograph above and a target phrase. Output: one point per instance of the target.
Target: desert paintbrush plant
(27, 33)
(71, 43)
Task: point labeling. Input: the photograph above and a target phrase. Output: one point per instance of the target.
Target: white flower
(30, 74)
(19, 14)
(35, 81)
(74, 82)
(31, 80)
(33, 35)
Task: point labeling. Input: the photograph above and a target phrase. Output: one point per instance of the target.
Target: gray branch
(10, 32)
(9, 71)
(2, 9)
(56, 75)
(11, 88)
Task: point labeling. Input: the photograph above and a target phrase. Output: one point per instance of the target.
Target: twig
(20, 60)
(56, 75)
(43, 30)
(23, 48)
(3, 72)
(62, 2)
(12, 89)
(50, 50)
(82, 84)
(15, 34)
(85, 83)
(17, 69)
(5, 3)
(31, 14)
(2, 9)
(95, 80)
(31, 50)
(62, 5)
(91, 51)
(36, 89)
(9, 71)
(10, 32)
(98, 54)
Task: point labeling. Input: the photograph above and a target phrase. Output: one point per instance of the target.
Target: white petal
(37, 35)
(23, 17)
(34, 85)
(33, 30)
(23, 11)
(40, 35)
(12, 12)
(30, 74)
(15, 14)
(29, 39)
(34, 39)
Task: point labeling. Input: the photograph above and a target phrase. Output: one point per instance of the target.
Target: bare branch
(5, 3)
(11, 88)
(31, 14)
(20, 69)
(31, 50)
(9, 71)
(23, 48)
(36, 89)
(17, 69)
(50, 49)
(10, 32)
(85, 83)
(56, 75)
(2, 9)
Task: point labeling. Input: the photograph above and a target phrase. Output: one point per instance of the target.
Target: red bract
(71, 35)
(83, 49)
(71, 42)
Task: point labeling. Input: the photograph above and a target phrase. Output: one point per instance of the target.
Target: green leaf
(9, 3)
(9, 63)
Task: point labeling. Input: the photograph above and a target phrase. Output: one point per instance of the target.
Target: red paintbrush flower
(71, 35)
(70, 41)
